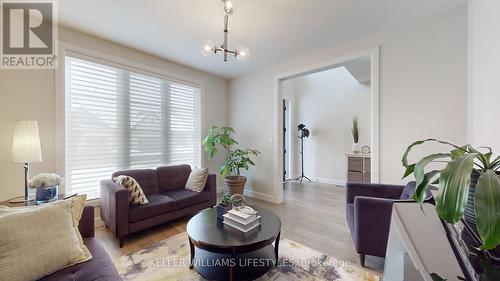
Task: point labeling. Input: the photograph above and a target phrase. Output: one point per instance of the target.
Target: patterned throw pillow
(136, 195)
(197, 179)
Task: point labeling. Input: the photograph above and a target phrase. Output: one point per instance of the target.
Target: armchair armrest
(388, 191)
(211, 187)
(87, 222)
(115, 207)
(372, 218)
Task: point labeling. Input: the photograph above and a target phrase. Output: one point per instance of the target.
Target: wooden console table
(358, 167)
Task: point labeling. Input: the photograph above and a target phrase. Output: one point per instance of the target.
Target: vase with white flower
(47, 187)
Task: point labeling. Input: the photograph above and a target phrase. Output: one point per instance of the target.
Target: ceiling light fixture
(241, 53)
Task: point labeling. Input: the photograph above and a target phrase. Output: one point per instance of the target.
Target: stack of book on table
(241, 221)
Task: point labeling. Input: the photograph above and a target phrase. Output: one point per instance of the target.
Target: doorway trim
(288, 133)
(374, 54)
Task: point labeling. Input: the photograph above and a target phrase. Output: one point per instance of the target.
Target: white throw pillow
(136, 195)
(37, 241)
(197, 179)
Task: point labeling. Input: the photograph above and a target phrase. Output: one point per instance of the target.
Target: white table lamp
(26, 148)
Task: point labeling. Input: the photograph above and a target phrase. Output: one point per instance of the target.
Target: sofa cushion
(185, 198)
(197, 179)
(172, 177)
(135, 193)
(158, 204)
(100, 267)
(147, 179)
(38, 241)
(409, 189)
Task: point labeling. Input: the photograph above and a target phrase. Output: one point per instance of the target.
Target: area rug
(169, 260)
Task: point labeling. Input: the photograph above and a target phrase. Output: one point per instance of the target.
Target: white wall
(422, 94)
(326, 102)
(484, 73)
(30, 94)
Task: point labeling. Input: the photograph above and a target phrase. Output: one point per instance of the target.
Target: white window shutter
(145, 122)
(117, 119)
(183, 134)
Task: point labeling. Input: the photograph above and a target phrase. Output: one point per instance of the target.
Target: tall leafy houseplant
(355, 129)
(355, 135)
(236, 159)
(462, 164)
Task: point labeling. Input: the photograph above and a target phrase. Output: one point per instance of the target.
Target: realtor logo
(28, 35)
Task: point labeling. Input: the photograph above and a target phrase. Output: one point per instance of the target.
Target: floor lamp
(26, 149)
(303, 133)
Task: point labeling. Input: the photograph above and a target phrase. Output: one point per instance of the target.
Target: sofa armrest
(372, 219)
(115, 207)
(87, 222)
(211, 187)
(388, 191)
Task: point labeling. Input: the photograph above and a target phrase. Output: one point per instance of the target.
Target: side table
(8, 203)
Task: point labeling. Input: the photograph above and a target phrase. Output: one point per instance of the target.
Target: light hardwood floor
(312, 214)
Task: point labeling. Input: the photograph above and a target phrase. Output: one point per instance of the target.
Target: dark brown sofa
(168, 199)
(100, 267)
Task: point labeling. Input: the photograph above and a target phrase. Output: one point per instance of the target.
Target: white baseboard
(254, 194)
(98, 222)
(259, 195)
(325, 180)
(219, 189)
(330, 181)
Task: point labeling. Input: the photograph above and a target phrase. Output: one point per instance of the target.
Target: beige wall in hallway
(326, 102)
(30, 94)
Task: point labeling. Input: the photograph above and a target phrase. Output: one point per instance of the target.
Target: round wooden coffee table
(220, 252)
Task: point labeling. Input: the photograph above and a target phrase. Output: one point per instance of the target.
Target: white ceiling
(274, 30)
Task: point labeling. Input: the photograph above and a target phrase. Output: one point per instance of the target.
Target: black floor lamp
(303, 133)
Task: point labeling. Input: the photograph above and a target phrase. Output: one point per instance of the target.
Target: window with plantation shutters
(183, 138)
(120, 119)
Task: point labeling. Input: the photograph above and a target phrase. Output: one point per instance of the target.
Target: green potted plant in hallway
(355, 135)
(469, 185)
(236, 159)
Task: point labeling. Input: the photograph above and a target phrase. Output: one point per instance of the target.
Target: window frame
(125, 64)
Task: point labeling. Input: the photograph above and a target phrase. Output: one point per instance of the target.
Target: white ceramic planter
(356, 148)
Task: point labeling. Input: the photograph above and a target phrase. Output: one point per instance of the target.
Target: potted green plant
(355, 135)
(224, 205)
(468, 184)
(236, 159)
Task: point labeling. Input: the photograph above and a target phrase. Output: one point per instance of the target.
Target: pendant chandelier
(209, 48)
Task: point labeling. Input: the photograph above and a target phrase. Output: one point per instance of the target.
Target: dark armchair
(368, 214)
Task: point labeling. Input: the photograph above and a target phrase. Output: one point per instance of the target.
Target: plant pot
(470, 212)
(356, 148)
(46, 194)
(221, 210)
(235, 184)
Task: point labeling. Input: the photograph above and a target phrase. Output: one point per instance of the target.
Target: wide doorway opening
(329, 122)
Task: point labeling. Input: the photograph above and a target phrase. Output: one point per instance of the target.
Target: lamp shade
(26, 143)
